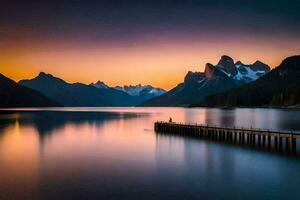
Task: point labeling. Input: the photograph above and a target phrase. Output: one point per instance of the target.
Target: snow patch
(249, 75)
(136, 90)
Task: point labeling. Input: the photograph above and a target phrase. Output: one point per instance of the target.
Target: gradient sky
(148, 42)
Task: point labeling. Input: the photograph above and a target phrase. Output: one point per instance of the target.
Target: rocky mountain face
(14, 95)
(77, 94)
(215, 79)
(280, 87)
(239, 72)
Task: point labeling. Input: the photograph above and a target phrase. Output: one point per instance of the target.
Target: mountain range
(139, 92)
(280, 87)
(76, 94)
(226, 84)
(95, 94)
(215, 79)
(13, 94)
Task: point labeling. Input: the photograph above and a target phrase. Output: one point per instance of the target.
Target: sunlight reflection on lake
(113, 153)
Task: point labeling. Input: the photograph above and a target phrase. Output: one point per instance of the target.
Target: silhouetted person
(170, 120)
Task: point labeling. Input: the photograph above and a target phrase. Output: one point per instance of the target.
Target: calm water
(113, 153)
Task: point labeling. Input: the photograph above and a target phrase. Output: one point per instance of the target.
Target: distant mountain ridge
(14, 95)
(95, 94)
(143, 92)
(138, 92)
(215, 79)
(280, 87)
(77, 94)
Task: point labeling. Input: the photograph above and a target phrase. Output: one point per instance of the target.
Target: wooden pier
(279, 141)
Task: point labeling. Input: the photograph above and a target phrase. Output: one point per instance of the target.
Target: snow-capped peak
(226, 68)
(100, 85)
(240, 72)
(138, 90)
(248, 73)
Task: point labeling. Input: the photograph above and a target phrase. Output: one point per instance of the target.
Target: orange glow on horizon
(161, 64)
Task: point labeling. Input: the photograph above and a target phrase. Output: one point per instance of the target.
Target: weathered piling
(263, 139)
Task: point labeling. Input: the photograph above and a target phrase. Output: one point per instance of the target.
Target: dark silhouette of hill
(14, 95)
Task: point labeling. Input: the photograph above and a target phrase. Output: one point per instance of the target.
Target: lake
(114, 153)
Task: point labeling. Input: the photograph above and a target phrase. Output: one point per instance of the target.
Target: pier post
(276, 142)
(243, 137)
(249, 138)
(264, 141)
(259, 140)
(234, 137)
(206, 133)
(200, 132)
(293, 145)
(288, 143)
(269, 141)
(280, 143)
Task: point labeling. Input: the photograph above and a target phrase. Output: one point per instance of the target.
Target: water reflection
(114, 154)
(47, 121)
(49, 141)
(19, 157)
(215, 117)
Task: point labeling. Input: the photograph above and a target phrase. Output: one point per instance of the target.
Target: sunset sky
(147, 42)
